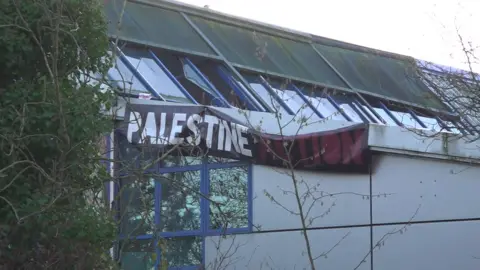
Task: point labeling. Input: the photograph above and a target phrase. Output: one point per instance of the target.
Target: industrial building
(235, 138)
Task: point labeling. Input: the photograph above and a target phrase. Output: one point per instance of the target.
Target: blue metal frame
(170, 75)
(217, 97)
(269, 89)
(358, 111)
(305, 99)
(442, 124)
(335, 104)
(138, 75)
(414, 115)
(108, 148)
(390, 114)
(247, 97)
(367, 114)
(204, 229)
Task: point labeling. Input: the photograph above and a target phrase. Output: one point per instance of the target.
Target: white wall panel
(443, 145)
(438, 189)
(348, 204)
(439, 246)
(286, 250)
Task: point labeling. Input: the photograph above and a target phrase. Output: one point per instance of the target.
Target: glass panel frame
(202, 229)
(155, 75)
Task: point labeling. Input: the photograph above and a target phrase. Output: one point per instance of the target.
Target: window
(293, 98)
(270, 99)
(226, 84)
(406, 119)
(154, 75)
(125, 79)
(370, 114)
(191, 78)
(346, 102)
(137, 254)
(430, 123)
(452, 127)
(167, 211)
(384, 114)
(229, 199)
(138, 205)
(241, 90)
(321, 102)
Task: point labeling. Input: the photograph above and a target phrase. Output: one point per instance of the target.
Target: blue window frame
(124, 78)
(293, 98)
(240, 89)
(322, 102)
(450, 126)
(267, 95)
(227, 84)
(166, 210)
(347, 104)
(405, 119)
(159, 80)
(199, 87)
(176, 78)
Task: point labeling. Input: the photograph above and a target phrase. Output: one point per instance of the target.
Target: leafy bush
(50, 124)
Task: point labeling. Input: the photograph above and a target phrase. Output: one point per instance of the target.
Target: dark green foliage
(50, 125)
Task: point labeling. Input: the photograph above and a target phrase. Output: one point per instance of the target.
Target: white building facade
(212, 171)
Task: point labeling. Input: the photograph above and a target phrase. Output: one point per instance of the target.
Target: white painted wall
(286, 250)
(348, 204)
(439, 246)
(444, 190)
(439, 189)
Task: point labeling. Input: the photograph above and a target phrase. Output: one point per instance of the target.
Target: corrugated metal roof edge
(266, 27)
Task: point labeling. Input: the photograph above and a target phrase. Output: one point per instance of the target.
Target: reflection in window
(195, 78)
(245, 90)
(406, 119)
(223, 81)
(154, 75)
(431, 123)
(268, 99)
(228, 189)
(181, 251)
(137, 254)
(180, 161)
(452, 127)
(189, 78)
(295, 103)
(320, 102)
(385, 116)
(131, 158)
(371, 115)
(125, 79)
(137, 205)
(348, 110)
(213, 159)
(180, 201)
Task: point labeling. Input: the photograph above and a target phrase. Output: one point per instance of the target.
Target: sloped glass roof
(268, 53)
(381, 75)
(154, 26)
(307, 59)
